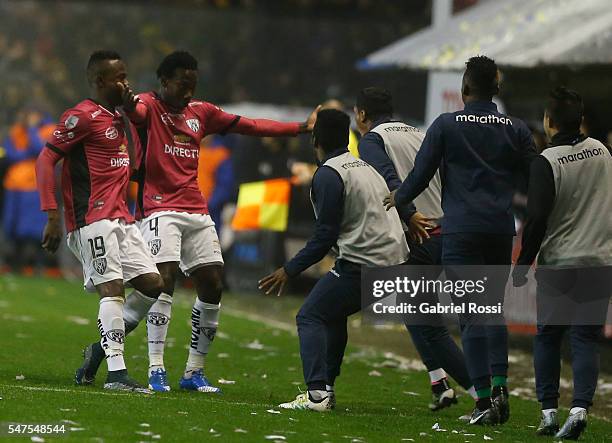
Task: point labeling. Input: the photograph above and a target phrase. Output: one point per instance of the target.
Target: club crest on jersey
(111, 133)
(166, 120)
(71, 121)
(116, 335)
(157, 318)
(155, 246)
(99, 265)
(194, 124)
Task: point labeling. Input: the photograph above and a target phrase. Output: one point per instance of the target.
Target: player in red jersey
(95, 142)
(174, 217)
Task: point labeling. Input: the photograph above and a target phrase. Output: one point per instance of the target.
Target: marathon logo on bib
(99, 265)
(194, 124)
(155, 246)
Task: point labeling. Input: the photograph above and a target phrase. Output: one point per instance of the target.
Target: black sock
(440, 386)
(499, 390)
(116, 375)
(484, 403)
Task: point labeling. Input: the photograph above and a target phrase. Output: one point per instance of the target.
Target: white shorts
(110, 250)
(190, 239)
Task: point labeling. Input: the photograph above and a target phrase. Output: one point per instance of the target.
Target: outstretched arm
(223, 123)
(328, 192)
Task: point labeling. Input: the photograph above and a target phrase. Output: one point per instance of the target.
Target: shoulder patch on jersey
(71, 122)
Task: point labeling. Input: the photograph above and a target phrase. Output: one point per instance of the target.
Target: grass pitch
(45, 323)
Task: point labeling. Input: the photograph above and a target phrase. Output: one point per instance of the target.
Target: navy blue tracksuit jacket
(483, 157)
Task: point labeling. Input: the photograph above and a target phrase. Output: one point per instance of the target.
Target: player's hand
(270, 282)
(519, 275)
(417, 227)
(127, 97)
(389, 200)
(308, 125)
(52, 235)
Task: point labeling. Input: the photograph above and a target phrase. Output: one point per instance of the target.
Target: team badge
(157, 318)
(155, 246)
(71, 121)
(194, 124)
(99, 265)
(116, 335)
(210, 333)
(111, 133)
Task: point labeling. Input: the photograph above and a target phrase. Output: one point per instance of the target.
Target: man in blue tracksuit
(569, 229)
(346, 194)
(482, 155)
(391, 146)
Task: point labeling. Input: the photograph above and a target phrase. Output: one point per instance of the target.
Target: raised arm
(222, 123)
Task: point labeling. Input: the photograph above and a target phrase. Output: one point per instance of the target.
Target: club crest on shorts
(116, 335)
(194, 124)
(157, 318)
(99, 265)
(155, 246)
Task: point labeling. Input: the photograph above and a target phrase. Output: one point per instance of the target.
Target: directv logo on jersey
(483, 119)
(119, 162)
(181, 152)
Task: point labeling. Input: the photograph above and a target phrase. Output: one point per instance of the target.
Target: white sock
(472, 392)
(112, 331)
(330, 388)
(135, 309)
(158, 321)
(317, 395)
(204, 322)
(436, 375)
(547, 412)
(576, 409)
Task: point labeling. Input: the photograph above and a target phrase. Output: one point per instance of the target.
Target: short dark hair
(174, 61)
(331, 130)
(565, 108)
(93, 64)
(481, 75)
(375, 101)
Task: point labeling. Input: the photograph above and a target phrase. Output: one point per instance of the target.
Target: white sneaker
(302, 402)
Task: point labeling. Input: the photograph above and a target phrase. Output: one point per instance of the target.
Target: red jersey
(168, 171)
(95, 174)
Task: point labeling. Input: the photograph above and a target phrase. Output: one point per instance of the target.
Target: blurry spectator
(216, 176)
(23, 222)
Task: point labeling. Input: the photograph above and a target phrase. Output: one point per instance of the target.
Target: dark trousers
(485, 346)
(433, 342)
(321, 323)
(559, 291)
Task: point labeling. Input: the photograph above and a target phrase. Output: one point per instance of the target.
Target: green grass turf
(41, 339)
